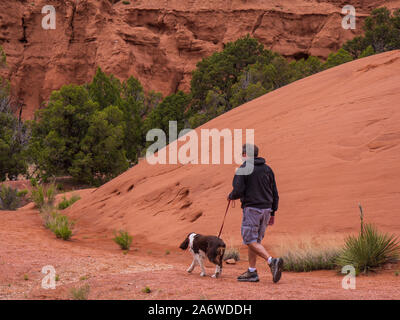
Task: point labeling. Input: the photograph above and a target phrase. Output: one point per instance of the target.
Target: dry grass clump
(81, 293)
(306, 254)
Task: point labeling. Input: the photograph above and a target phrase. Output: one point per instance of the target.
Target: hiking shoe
(248, 277)
(276, 267)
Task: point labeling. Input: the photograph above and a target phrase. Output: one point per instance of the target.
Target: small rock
(231, 261)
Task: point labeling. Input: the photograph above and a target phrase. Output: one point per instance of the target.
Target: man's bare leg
(257, 249)
(252, 258)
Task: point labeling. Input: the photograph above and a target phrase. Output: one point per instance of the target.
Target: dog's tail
(184, 245)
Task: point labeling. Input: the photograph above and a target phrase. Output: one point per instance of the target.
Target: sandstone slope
(333, 140)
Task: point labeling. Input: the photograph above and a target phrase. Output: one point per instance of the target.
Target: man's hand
(271, 220)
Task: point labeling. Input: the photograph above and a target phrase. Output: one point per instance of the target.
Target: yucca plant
(369, 249)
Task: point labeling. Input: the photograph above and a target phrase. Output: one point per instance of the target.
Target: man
(259, 197)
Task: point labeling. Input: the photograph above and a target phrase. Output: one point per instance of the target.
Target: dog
(201, 246)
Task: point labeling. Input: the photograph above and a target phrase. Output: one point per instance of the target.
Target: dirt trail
(26, 246)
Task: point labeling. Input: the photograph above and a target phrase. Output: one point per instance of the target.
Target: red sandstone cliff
(157, 41)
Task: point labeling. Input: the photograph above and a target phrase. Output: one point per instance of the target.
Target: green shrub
(48, 215)
(337, 58)
(51, 194)
(304, 68)
(81, 293)
(123, 239)
(61, 226)
(232, 253)
(9, 198)
(369, 51)
(146, 290)
(38, 196)
(65, 203)
(126, 2)
(369, 249)
(22, 193)
(381, 33)
(43, 196)
(57, 223)
(90, 132)
(34, 182)
(172, 108)
(14, 134)
(3, 57)
(222, 69)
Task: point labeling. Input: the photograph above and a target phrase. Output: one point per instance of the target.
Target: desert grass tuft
(309, 254)
(65, 203)
(146, 290)
(81, 293)
(43, 196)
(57, 223)
(310, 260)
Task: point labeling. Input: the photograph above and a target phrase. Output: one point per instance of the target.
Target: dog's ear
(221, 251)
(184, 245)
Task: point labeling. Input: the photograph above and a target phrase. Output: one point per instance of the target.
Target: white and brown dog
(202, 246)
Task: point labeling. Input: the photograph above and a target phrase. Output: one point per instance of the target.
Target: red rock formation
(159, 42)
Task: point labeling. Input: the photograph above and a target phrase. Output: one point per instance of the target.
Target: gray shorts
(254, 223)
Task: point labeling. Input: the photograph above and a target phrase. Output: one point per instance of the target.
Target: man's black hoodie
(257, 189)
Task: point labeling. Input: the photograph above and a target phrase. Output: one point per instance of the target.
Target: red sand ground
(333, 141)
(26, 247)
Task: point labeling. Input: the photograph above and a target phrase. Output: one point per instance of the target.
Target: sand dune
(332, 139)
